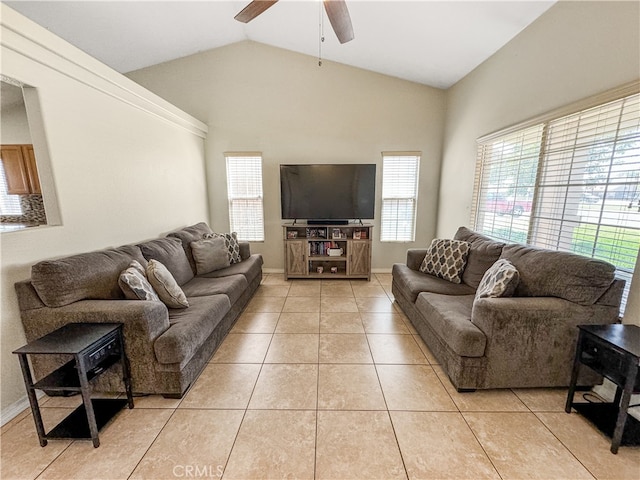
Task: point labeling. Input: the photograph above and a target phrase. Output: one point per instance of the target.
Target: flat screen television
(328, 193)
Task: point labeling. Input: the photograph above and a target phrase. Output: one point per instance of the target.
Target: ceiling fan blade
(340, 20)
(255, 8)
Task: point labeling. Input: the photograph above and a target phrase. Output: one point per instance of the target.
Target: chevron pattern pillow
(446, 259)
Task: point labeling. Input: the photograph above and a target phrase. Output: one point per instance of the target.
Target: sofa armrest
(415, 256)
(143, 322)
(534, 337)
(245, 250)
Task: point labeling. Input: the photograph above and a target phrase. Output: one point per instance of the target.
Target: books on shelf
(321, 249)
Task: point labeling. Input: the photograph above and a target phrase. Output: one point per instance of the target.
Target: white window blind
(9, 204)
(244, 187)
(585, 195)
(399, 196)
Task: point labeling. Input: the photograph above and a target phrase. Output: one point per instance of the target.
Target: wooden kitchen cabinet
(21, 171)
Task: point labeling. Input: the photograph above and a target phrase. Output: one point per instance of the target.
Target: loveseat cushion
(169, 252)
(250, 268)
(549, 273)
(484, 252)
(412, 283)
(189, 234)
(233, 286)
(450, 318)
(91, 275)
(189, 328)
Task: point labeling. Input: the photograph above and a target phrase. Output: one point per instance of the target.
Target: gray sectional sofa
(167, 348)
(524, 340)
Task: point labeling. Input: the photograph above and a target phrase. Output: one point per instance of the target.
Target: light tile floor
(325, 380)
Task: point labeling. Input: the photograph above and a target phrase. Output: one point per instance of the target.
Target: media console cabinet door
(295, 257)
(359, 258)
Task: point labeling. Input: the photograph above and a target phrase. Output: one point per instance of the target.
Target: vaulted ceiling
(435, 43)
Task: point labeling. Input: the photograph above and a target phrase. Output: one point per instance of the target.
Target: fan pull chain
(321, 33)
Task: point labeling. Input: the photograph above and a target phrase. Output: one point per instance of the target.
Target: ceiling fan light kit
(337, 12)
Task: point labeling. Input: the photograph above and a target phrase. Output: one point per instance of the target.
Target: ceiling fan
(336, 11)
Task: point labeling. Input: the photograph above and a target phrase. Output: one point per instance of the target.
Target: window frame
(257, 234)
(388, 198)
(556, 230)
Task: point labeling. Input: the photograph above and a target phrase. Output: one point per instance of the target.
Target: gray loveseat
(167, 348)
(526, 340)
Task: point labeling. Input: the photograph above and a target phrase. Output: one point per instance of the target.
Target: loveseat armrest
(531, 341)
(415, 256)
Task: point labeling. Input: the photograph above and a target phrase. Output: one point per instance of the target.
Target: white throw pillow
(165, 285)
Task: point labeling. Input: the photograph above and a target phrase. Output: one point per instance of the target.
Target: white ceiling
(430, 42)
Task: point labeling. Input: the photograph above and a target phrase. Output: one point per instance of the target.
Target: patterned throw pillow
(231, 242)
(500, 280)
(134, 284)
(165, 285)
(446, 259)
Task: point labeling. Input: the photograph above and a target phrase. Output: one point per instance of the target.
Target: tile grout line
(535, 414)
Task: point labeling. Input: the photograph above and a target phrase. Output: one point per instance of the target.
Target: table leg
(33, 399)
(86, 399)
(624, 406)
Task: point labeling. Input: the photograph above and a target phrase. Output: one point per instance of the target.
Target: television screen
(328, 192)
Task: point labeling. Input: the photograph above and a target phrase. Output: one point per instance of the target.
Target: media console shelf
(327, 251)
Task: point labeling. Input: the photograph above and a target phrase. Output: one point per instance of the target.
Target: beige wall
(259, 98)
(574, 50)
(126, 165)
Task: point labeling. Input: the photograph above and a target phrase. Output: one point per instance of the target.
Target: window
(244, 187)
(9, 204)
(570, 183)
(399, 196)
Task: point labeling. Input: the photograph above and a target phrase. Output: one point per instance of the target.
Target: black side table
(95, 347)
(614, 352)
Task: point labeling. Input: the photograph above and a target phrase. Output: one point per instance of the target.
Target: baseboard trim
(16, 408)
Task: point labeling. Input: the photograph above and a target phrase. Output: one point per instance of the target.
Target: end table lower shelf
(604, 416)
(76, 425)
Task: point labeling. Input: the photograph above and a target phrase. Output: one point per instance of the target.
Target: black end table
(614, 352)
(95, 347)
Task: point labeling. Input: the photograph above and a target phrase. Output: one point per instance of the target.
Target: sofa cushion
(210, 254)
(91, 275)
(450, 318)
(500, 280)
(232, 286)
(250, 268)
(549, 273)
(413, 283)
(134, 284)
(483, 253)
(231, 241)
(169, 252)
(165, 285)
(189, 328)
(446, 259)
(190, 234)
